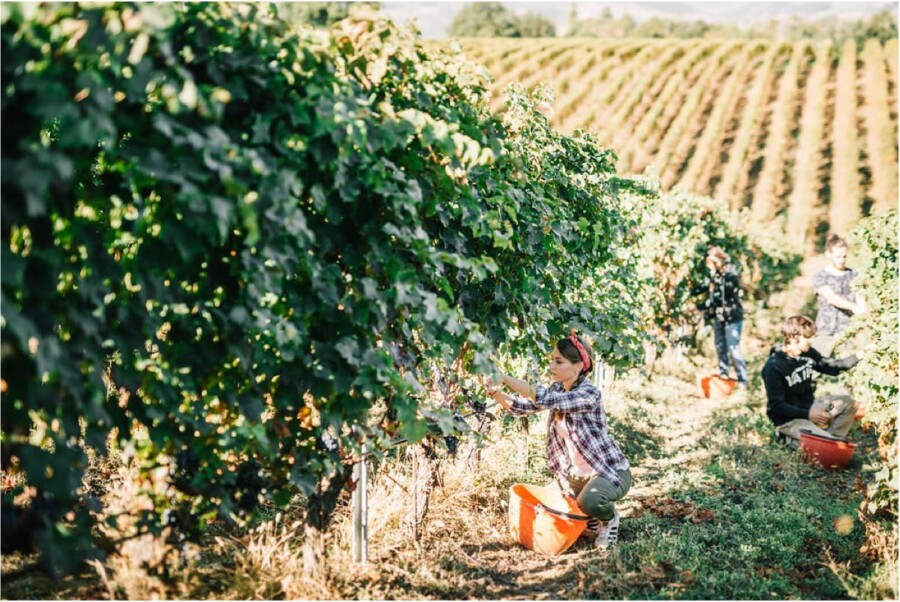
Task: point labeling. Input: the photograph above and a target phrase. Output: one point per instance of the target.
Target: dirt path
(686, 413)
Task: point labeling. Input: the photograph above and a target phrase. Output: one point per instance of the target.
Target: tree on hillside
(881, 26)
(727, 31)
(654, 28)
(321, 14)
(607, 26)
(573, 16)
(485, 20)
(532, 25)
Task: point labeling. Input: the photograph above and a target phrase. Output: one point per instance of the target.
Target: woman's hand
(493, 391)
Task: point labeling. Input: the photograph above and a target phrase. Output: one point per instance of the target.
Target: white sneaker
(607, 532)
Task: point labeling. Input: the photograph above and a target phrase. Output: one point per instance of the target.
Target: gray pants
(842, 409)
(597, 496)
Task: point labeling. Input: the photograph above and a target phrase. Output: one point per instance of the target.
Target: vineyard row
(803, 134)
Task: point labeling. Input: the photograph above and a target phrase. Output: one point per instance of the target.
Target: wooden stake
(360, 501)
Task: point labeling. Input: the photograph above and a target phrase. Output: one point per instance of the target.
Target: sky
(434, 18)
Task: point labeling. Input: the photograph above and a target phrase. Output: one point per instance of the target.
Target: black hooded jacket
(789, 381)
(721, 296)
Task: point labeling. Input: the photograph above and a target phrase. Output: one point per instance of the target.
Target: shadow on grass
(637, 441)
(499, 570)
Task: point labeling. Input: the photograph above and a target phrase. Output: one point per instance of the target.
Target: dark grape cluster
(186, 525)
(248, 485)
(452, 444)
(452, 441)
(187, 464)
(476, 403)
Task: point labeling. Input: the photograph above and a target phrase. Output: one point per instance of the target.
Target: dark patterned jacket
(721, 296)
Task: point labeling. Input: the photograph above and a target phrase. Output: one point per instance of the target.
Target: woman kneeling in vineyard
(582, 455)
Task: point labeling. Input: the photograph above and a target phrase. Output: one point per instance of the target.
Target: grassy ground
(718, 511)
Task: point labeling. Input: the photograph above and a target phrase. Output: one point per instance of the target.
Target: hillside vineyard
(799, 133)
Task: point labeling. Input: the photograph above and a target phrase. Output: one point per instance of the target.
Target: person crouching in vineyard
(723, 308)
(788, 376)
(581, 454)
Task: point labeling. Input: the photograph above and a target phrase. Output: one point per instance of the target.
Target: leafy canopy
(874, 380)
(245, 250)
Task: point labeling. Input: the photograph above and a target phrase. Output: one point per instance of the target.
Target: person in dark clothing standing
(723, 308)
(788, 376)
(836, 300)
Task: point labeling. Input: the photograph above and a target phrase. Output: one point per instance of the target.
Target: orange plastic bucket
(828, 453)
(715, 386)
(544, 520)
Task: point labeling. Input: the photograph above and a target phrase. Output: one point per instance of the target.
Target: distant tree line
(492, 19)
(882, 25)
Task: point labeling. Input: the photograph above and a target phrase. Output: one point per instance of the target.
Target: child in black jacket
(788, 378)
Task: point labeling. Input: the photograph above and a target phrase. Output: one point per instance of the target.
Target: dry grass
(466, 518)
(264, 564)
(467, 514)
(145, 566)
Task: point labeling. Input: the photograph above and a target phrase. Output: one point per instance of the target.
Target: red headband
(581, 350)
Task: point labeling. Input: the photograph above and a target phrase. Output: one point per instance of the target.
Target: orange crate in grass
(713, 386)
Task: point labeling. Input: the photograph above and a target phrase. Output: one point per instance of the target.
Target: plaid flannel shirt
(585, 418)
